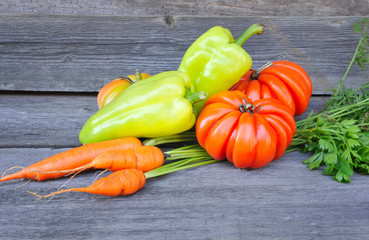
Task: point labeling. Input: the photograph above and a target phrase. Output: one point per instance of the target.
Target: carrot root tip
(10, 169)
(37, 195)
(24, 184)
(49, 195)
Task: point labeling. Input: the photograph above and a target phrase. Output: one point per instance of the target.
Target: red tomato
(248, 133)
(283, 80)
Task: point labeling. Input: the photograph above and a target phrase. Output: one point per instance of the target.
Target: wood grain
(74, 53)
(281, 201)
(55, 120)
(190, 7)
(43, 120)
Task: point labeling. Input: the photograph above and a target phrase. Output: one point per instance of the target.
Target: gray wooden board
(43, 120)
(192, 7)
(281, 201)
(82, 53)
(55, 120)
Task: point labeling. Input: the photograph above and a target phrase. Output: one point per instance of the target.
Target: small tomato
(283, 80)
(113, 89)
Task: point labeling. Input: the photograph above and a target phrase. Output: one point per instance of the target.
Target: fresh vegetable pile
(241, 115)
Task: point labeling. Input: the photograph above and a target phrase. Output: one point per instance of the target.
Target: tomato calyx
(255, 74)
(126, 79)
(133, 78)
(248, 107)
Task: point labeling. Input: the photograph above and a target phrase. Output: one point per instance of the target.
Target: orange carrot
(53, 166)
(123, 182)
(129, 181)
(144, 158)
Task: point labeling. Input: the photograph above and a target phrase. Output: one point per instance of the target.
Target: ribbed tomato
(283, 80)
(248, 133)
(113, 89)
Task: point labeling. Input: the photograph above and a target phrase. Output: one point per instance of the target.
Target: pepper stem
(195, 97)
(256, 28)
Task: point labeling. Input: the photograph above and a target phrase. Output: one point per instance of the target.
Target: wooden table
(56, 56)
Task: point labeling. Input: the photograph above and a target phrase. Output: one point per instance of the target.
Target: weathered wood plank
(55, 120)
(175, 7)
(43, 120)
(281, 201)
(82, 53)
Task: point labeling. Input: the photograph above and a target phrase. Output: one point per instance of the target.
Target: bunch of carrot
(130, 161)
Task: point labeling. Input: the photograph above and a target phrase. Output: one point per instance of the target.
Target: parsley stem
(338, 112)
(345, 75)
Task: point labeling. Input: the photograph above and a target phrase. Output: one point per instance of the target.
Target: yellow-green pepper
(215, 62)
(159, 106)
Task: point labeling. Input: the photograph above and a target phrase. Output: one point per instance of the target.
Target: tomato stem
(248, 107)
(138, 75)
(255, 74)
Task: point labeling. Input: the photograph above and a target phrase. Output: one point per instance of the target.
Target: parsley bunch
(338, 135)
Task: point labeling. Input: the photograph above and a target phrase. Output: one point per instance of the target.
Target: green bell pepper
(215, 62)
(159, 106)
